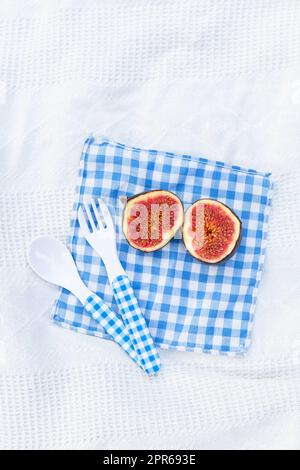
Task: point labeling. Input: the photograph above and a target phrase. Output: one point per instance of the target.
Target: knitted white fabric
(212, 78)
(128, 41)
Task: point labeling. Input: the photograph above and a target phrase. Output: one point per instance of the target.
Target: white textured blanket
(213, 77)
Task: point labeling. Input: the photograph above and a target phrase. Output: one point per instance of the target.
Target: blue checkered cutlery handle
(135, 321)
(112, 325)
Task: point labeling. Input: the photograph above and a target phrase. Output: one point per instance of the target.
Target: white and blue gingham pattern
(136, 324)
(114, 327)
(188, 305)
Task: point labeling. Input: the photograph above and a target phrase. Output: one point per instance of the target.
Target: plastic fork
(98, 228)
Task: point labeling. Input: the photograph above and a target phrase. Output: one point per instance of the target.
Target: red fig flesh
(211, 231)
(151, 219)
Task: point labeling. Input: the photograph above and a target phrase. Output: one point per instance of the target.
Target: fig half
(151, 219)
(212, 231)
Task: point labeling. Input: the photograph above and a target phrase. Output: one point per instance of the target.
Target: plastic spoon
(52, 261)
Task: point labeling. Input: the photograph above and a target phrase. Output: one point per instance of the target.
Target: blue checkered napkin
(188, 305)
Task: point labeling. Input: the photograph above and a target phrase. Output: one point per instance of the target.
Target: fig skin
(161, 245)
(237, 243)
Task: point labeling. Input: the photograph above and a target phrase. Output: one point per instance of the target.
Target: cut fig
(151, 219)
(211, 231)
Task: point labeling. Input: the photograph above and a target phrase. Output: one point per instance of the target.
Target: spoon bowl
(52, 261)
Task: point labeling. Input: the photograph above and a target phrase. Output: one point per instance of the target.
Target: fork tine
(89, 216)
(106, 215)
(97, 214)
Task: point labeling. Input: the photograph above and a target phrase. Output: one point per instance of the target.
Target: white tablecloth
(215, 78)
